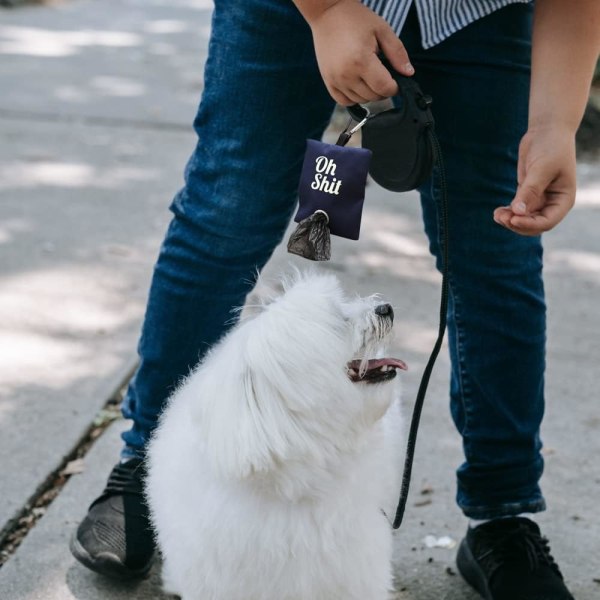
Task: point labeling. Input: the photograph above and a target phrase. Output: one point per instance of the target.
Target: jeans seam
(462, 374)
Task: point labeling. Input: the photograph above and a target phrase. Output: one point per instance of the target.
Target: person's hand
(547, 182)
(347, 37)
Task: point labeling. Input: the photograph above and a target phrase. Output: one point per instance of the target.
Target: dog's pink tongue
(376, 363)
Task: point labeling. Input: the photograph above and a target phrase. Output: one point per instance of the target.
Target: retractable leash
(399, 151)
(418, 408)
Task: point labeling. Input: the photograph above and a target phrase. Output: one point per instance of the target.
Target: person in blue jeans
(507, 105)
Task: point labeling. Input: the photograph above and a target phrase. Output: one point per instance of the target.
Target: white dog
(277, 460)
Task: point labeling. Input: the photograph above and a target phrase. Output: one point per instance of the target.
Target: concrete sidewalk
(95, 111)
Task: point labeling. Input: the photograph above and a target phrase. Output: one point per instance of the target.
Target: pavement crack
(17, 528)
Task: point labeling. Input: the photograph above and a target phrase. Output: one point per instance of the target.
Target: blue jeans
(263, 97)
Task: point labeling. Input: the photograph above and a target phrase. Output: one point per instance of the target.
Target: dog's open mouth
(377, 371)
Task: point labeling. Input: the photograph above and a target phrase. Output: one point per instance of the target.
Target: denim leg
(263, 97)
(479, 79)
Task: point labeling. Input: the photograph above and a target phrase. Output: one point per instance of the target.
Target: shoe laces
(125, 478)
(523, 541)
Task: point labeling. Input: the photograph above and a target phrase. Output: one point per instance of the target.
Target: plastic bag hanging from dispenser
(331, 195)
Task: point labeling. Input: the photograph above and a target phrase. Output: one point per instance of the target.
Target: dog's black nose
(385, 310)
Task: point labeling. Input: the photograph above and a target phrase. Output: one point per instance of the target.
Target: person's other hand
(347, 37)
(546, 182)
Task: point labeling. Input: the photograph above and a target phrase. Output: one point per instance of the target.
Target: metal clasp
(349, 132)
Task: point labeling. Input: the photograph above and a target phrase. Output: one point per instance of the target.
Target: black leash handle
(416, 417)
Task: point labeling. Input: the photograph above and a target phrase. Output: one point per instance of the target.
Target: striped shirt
(438, 19)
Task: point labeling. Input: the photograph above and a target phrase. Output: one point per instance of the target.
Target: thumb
(530, 193)
(394, 50)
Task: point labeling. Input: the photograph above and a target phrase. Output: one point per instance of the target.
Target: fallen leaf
(423, 502)
(74, 467)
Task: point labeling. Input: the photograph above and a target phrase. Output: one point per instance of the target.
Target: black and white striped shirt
(438, 18)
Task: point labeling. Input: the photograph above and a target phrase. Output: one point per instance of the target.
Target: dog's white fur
(270, 471)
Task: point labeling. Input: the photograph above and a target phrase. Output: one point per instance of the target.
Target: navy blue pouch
(331, 196)
(333, 180)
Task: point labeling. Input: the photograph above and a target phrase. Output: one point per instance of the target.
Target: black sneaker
(508, 559)
(115, 538)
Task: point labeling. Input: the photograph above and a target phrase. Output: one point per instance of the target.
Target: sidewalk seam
(56, 480)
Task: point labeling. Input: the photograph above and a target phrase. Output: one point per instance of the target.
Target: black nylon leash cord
(416, 417)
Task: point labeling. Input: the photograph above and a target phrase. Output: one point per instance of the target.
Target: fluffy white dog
(277, 459)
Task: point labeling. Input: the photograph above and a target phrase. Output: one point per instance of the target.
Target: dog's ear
(245, 428)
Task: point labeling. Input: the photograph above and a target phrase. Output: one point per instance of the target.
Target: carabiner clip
(349, 132)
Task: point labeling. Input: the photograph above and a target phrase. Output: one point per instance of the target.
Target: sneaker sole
(470, 570)
(106, 563)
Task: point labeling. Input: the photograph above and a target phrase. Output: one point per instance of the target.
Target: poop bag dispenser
(331, 196)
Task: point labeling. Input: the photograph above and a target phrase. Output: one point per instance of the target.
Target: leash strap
(416, 417)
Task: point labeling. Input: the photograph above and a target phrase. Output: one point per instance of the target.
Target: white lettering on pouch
(326, 166)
